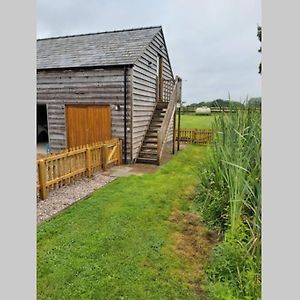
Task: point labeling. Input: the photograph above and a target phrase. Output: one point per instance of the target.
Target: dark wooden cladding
(58, 88)
(145, 88)
(88, 85)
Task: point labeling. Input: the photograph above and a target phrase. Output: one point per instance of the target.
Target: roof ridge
(95, 33)
(145, 48)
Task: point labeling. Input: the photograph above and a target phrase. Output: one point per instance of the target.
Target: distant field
(193, 121)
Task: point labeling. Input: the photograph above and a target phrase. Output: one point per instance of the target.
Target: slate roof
(96, 49)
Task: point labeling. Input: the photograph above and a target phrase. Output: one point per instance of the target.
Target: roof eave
(87, 67)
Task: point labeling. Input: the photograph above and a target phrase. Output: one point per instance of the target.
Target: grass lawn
(193, 121)
(117, 244)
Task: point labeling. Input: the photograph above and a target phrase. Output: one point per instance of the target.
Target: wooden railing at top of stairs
(163, 131)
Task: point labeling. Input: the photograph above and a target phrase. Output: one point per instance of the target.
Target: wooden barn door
(88, 124)
(99, 123)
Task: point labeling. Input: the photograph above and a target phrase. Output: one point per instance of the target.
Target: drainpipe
(125, 115)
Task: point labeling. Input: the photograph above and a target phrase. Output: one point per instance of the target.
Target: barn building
(94, 87)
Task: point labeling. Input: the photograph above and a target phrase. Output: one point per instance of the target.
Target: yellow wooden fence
(197, 136)
(58, 169)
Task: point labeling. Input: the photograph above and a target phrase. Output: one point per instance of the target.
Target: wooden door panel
(99, 123)
(88, 124)
(76, 125)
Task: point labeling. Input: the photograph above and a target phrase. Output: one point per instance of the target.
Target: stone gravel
(63, 197)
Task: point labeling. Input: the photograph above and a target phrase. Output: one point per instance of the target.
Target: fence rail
(58, 169)
(197, 136)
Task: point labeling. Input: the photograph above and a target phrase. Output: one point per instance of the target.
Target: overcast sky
(212, 44)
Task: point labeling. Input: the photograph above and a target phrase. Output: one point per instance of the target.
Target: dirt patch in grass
(193, 243)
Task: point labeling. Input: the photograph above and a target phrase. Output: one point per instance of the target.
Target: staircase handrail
(163, 131)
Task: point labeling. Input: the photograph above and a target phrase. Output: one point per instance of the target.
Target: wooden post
(159, 142)
(178, 134)
(120, 152)
(174, 131)
(160, 78)
(42, 179)
(157, 89)
(193, 136)
(104, 156)
(88, 162)
(179, 109)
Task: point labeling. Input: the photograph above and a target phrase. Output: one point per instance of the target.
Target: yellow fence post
(42, 179)
(120, 152)
(58, 169)
(88, 162)
(104, 156)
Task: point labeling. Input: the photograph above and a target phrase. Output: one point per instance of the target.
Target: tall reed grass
(230, 190)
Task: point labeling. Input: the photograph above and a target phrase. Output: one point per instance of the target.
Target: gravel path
(63, 197)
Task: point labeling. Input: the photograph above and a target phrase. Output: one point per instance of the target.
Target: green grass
(193, 121)
(229, 198)
(116, 244)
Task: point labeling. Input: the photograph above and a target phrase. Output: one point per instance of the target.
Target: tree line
(252, 102)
